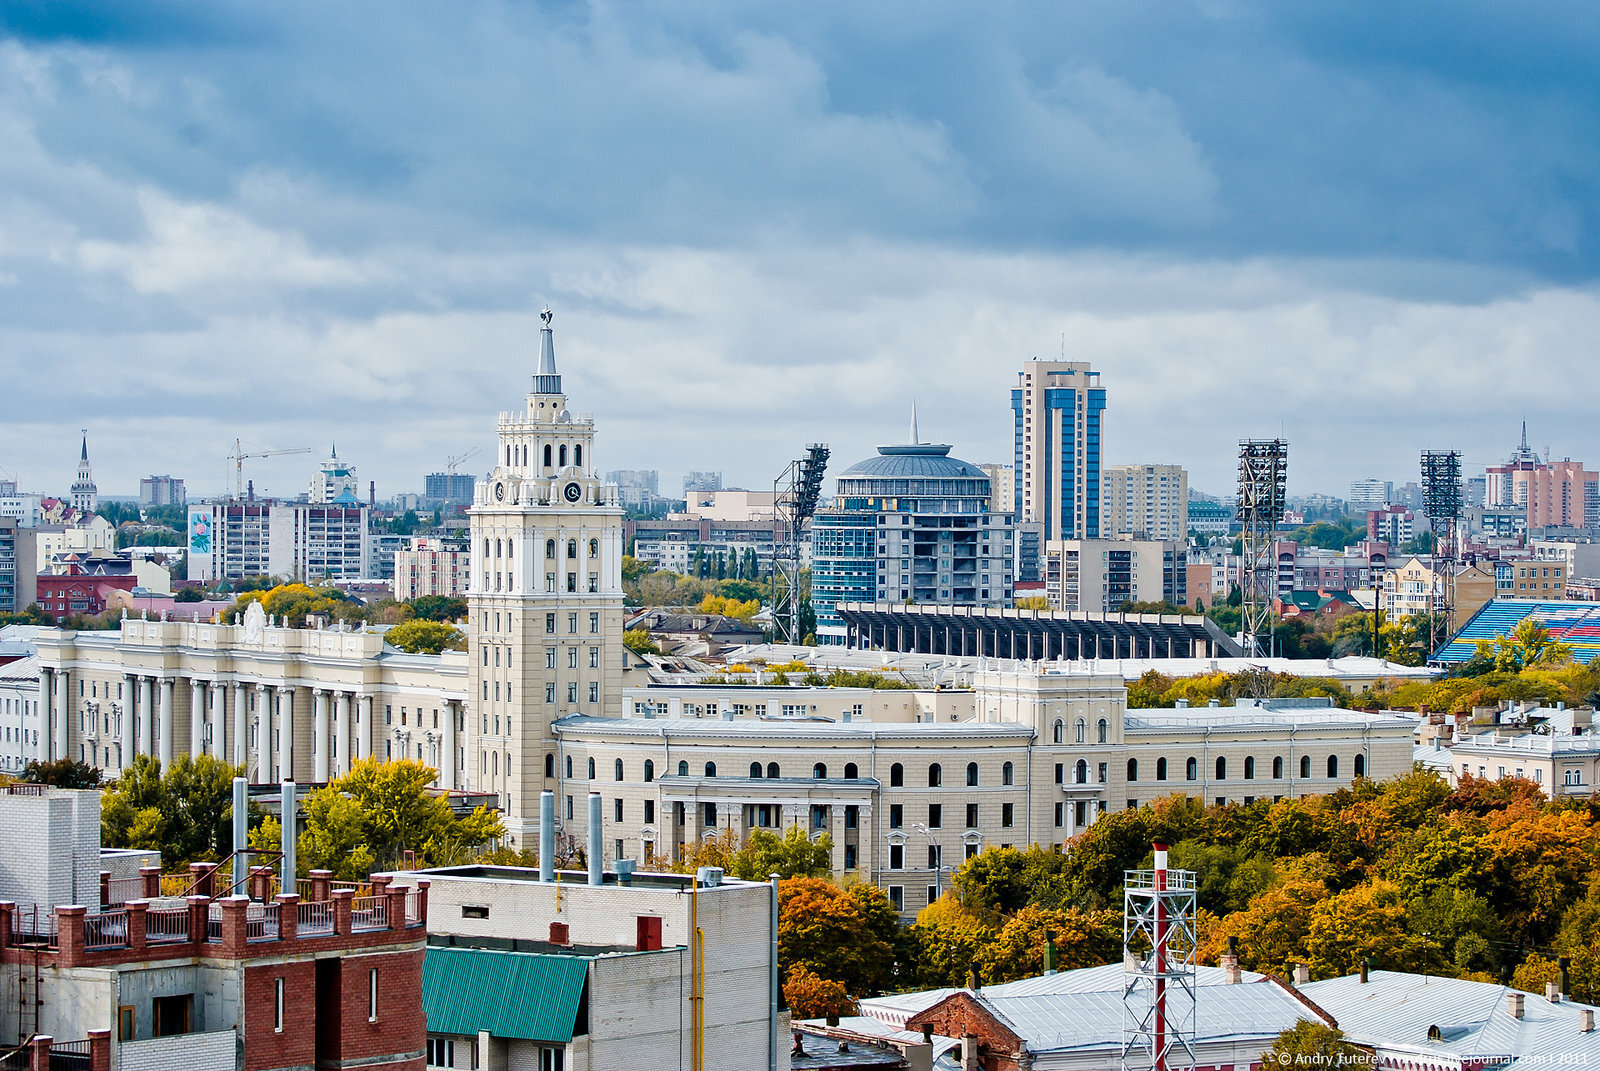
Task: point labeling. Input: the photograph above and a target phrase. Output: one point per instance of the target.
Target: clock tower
(545, 603)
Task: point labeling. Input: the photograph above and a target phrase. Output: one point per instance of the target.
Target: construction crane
(450, 463)
(238, 457)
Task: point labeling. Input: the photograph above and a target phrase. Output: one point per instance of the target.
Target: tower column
(447, 746)
(147, 716)
(164, 730)
(366, 734)
(340, 756)
(263, 735)
(197, 718)
(129, 719)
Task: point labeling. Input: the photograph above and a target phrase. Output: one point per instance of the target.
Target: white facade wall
(50, 847)
(19, 714)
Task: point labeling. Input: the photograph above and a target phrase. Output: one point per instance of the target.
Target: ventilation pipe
(1586, 1021)
(241, 835)
(1552, 992)
(774, 993)
(1366, 965)
(286, 817)
(1230, 963)
(596, 871)
(547, 836)
(1302, 975)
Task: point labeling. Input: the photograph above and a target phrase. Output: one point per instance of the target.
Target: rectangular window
(594, 658)
(617, 810)
(594, 691)
(1060, 814)
(851, 817)
(935, 815)
(1061, 771)
(897, 815)
(897, 857)
(372, 995)
(572, 623)
(649, 811)
(125, 1023)
(972, 816)
(550, 622)
(897, 897)
(277, 1006)
(572, 691)
(569, 805)
(1007, 814)
(594, 624)
(550, 691)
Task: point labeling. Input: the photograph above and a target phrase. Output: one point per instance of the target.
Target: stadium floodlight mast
(796, 492)
(1441, 501)
(1263, 476)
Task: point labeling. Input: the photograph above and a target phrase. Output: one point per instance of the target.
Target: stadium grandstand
(1576, 624)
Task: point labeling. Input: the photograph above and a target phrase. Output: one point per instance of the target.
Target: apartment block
(1145, 502)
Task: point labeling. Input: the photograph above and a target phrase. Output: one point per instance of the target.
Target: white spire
(914, 440)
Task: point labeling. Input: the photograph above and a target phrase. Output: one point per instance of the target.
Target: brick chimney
(1230, 963)
(1514, 1004)
(1302, 975)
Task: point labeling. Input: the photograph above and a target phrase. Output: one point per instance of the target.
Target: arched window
(897, 775)
(935, 775)
(1222, 768)
(572, 548)
(550, 548)
(1082, 731)
(563, 455)
(772, 769)
(549, 765)
(850, 773)
(1191, 770)
(577, 455)
(569, 765)
(711, 769)
(1058, 733)
(1101, 730)
(1277, 768)
(1133, 769)
(1249, 768)
(1008, 773)
(591, 769)
(619, 769)
(683, 768)
(546, 455)
(1080, 773)
(1161, 769)
(1305, 765)
(497, 548)
(1333, 766)
(1361, 765)
(594, 548)
(819, 771)
(755, 769)
(972, 774)
(649, 770)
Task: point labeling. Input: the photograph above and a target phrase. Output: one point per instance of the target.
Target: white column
(447, 746)
(241, 727)
(263, 736)
(63, 707)
(285, 734)
(340, 764)
(197, 718)
(147, 716)
(129, 720)
(217, 720)
(47, 706)
(164, 745)
(367, 735)
(319, 736)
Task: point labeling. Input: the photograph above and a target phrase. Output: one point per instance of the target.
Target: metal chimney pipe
(596, 871)
(547, 836)
(286, 816)
(241, 834)
(774, 993)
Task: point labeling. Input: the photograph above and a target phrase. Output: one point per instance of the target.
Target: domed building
(910, 525)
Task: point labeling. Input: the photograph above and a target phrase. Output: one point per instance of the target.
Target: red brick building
(77, 593)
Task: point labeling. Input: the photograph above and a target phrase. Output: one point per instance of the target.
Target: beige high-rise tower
(1057, 407)
(545, 598)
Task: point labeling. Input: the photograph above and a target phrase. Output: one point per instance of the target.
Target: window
(1361, 766)
(1222, 768)
(1333, 766)
(1101, 774)
(594, 658)
(649, 770)
(1161, 769)
(649, 811)
(972, 816)
(711, 769)
(819, 817)
(441, 1052)
(852, 817)
(897, 776)
(1277, 768)
(1007, 774)
(617, 811)
(549, 658)
(850, 771)
(1249, 768)
(277, 1005)
(934, 855)
(683, 769)
(550, 623)
(897, 895)
(550, 549)
(935, 775)
(1081, 731)
(897, 857)
(125, 1022)
(1191, 770)
(1059, 774)
(709, 813)
(755, 769)
(1080, 773)
(619, 770)
(849, 856)
(594, 623)
(1057, 733)
(819, 771)
(1060, 808)
(1101, 730)
(772, 769)
(549, 691)
(972, 774)
(549, 765)
(1007, 814)
(1305, 765)
(935, 815)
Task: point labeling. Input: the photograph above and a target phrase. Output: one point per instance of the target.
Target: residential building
(19, 714)
(910, 525)
(26, 509)
(1002, 487)
(1100, 575)
(85, 496)
(335, 483)
(605, 969)
(1369, 494)
(232, 540)
(161, 491)
(1145, 502)
(85, 534)
(1209, 517)
(1056, 408)
(1501, 481)
(445, 488)
(678, 541)
(381, 550)
(1581, 557)
(430, 567)
(731, 504)
(203, 980)
(1393, 525)
(701, 481)
(1562, 764)
(1562, 494)
(18, 567)
(77, 590)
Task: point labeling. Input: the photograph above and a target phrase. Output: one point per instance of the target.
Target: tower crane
(238, 457)
(450, 463)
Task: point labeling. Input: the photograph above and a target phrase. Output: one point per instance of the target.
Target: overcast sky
(1370, 227)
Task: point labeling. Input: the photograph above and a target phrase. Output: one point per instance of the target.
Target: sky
(1371, 228)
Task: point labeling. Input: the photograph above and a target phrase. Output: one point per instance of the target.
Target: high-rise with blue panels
(1057, 407)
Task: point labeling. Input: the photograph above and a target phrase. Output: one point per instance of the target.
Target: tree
(811, 997)
(439, 608)
(62, 773)
(189, 595)
(638, 641)
(186, 812)
(794, 855)
(1310, 1044)
(726, 607)
(843, 935)
(945, 942)
(1081, 939)
(393, 813)
(1032, 602)
(419, 636)
(1368, 922)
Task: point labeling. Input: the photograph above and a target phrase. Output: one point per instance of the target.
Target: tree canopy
(185, 811)
(420, 636)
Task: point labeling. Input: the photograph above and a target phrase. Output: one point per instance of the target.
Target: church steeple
(85, 496)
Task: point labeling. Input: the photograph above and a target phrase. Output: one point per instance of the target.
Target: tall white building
(232, 540)
(85, 496)
(544, 598)
(334, 483)
(1056, 409)
(1145, 502)
(1367, 495)
(161, 491)
(1099, 575)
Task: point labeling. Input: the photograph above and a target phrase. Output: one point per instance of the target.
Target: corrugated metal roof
(509, 994)
(1394, 1010)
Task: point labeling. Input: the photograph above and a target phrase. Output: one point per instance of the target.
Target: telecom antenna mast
(1441, 500)
(1158, 944)
(1263, 475)
(795, 494)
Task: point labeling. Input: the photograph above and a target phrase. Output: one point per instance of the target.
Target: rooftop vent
(709, 877)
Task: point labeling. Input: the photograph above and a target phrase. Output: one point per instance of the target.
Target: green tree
(1032, 602)
(1312, 1045)
(419, 636)
(793, 855)
(62, 773)
(186, 811)
(439, 608)
(639, 641)
(189, 595)
(945, 942)
(394, 812)
(843, 935)
(1081, 939)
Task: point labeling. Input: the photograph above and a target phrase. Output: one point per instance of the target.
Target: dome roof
(919, 461)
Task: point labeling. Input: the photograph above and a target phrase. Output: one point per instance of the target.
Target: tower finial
(1524, 436)
(85, 455)
(914, 439)
(546, 380)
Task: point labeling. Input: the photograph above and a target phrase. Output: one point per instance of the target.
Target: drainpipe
(596, 871)
(288, 872)
(547, 836)
(774, 995)
(241, 835)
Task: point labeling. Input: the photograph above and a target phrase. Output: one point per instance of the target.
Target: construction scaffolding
(1263, 477)
(1158, 946)
(796, 492)
(1441, 500)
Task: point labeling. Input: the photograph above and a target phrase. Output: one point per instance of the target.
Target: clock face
(573, 492)
(500, 491)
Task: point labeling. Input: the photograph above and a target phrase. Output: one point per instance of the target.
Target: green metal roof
(509, 994)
